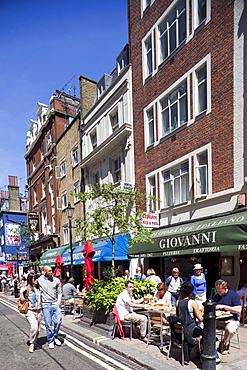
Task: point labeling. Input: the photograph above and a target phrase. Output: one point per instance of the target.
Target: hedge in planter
(103, 294)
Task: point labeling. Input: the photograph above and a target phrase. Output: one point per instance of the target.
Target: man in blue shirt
(227, 300)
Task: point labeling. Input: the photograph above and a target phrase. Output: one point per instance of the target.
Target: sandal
(31, 348)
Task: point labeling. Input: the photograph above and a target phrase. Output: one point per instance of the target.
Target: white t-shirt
(121, 303)
(165, 300)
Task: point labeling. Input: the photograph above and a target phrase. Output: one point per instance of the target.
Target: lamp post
(70, 212)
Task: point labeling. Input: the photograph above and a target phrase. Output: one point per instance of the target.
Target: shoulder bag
(23, 305)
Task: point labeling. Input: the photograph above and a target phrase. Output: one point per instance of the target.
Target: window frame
(73, 159)
(66, 234)
(195, 21)
(62, 166)
(146, 72)
(152, 190)
(76, 187)
(147, 126)
(205, 62)
(64, 200)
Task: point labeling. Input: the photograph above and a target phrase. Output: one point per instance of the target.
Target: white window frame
(66, 234)
(35, 195)
(170, 105)
(145, 4)
(114, 171)
(77, 237)
(168, 28)
(146, 53)
(64, 200)
(114, 122)
(49, 139)
(195, 20)
(43, 182)
(151, 187)
(75, 156)
(62, 168)
(197, 193)
(76, 191)
(207, 63)
(93, 139)
(148, 126)
(176, 181)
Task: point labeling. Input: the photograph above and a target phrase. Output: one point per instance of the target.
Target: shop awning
(3, 267)
(49, 257)
(225, 233)
(103, 251)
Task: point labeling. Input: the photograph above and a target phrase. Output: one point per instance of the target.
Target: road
(75, 353)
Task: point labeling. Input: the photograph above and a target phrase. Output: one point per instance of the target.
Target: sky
(43, 45)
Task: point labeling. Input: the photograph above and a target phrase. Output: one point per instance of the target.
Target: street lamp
(70, 212)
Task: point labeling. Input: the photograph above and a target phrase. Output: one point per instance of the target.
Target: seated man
(69, 290)
(125, 304)
(227, 300)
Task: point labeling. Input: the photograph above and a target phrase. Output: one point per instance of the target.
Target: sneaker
(57, 342)
(51, 345)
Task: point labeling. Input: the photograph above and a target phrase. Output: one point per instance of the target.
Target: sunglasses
(159, 290)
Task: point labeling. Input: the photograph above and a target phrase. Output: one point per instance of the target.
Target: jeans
(52, 313)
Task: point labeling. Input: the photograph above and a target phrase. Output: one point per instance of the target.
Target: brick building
(189, 111)
(41, 161)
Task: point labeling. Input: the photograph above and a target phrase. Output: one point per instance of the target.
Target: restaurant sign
(225, 233)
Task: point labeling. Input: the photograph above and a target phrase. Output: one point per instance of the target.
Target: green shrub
(103, 294)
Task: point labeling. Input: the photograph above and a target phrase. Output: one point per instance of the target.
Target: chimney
(87, 94)
(14, 198)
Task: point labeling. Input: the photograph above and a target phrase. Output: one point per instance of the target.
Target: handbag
(23, 305)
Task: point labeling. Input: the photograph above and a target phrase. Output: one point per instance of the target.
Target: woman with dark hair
(188, 311)
(34, 314)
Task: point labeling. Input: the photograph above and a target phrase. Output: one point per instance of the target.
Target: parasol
(10, 268)
(89, 266)
(58, 264)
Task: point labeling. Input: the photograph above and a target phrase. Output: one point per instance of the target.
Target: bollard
(209, 350)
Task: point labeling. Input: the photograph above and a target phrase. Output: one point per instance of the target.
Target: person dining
(125, 304)
(162, 295)
(227, 300)
(198, 281)
(188, 312)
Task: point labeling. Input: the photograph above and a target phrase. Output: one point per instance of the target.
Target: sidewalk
(151, 357)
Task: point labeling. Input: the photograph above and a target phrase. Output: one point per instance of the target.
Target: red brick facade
(214, 38)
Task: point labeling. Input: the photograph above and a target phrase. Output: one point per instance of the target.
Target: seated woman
(188, 312)
(162, 295)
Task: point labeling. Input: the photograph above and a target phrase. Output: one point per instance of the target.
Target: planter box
(98, 318)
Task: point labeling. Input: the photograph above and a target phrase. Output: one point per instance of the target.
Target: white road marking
(96, 340)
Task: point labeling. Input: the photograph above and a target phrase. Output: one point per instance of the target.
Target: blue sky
(43, 44)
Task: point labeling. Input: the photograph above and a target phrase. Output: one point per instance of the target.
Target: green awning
(225, 233)
(49, 257)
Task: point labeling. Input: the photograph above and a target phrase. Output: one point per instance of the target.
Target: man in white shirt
(125, 304)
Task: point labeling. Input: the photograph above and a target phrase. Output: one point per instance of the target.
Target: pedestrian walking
(34, 314)
(198, 281)
(51, 294)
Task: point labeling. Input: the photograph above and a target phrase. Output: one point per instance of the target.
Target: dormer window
(123, 58)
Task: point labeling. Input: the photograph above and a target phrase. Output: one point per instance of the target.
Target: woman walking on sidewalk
(34, 314)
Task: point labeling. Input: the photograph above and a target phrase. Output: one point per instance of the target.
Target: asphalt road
(75, 353)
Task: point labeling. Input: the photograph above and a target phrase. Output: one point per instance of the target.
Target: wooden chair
(78, 307)
(66, 307)
(156, 327)
(243, 315)
(177, 336)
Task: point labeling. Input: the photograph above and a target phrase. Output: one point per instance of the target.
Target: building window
(150, 126)
(35, 195)
(172, 31)
(95, 178)
(176, 185)
(42, 150)
(48, 137)
(123, 59)
(117, 170)
(145, 4)
(64, 200)
(114, 121)
(74, 156)
(152, 193)
(148, 57)
(76, 191)
(93, 137)
(174, 109)
(77, 235)
(200, 11)
(201, 79)
(34, 162)
(66, 234)
(62, 168)
(43, 186)
(201, 175)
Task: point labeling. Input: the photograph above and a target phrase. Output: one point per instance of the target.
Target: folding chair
(120, 324)
(156, 326)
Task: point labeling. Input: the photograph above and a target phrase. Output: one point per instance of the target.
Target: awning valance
(49, 257)
(103, 251)
(225, 233)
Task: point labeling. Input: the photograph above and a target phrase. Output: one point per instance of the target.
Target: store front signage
(150, 220)
(226, 233)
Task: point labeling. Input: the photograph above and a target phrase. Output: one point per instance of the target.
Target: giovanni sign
(225, 233)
